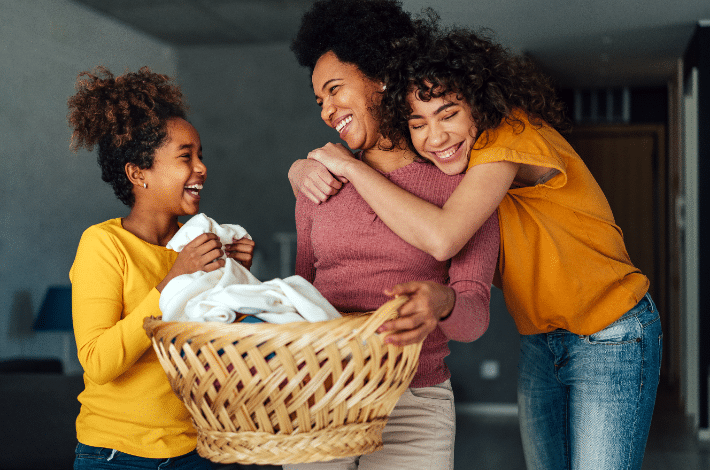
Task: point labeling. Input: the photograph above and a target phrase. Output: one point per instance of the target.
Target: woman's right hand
(313, 179)
(336, 158)
(204, 253)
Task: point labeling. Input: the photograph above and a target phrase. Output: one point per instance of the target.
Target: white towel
(221, 294)
(200, 224)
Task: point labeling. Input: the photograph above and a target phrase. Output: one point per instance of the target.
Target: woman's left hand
(241, 250)
(428, 303)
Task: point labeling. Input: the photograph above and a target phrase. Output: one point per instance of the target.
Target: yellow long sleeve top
(563, 261)
(127, 403)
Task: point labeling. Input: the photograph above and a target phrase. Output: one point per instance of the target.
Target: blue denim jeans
(88, 457)
(586, 401)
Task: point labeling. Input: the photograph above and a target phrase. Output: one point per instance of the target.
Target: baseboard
(487, 409)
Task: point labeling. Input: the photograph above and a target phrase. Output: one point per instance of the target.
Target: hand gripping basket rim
(286, 393)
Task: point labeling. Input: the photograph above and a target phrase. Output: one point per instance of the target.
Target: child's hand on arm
(313, 180)
(429, 303)
(241, 250)
(201, 254)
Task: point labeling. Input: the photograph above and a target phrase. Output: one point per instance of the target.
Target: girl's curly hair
(359, 32)
(126, 117)
(492, 80)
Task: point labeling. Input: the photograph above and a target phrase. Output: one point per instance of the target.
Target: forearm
(470, 316)
(471, 273)
(108, 348)
(440, 232)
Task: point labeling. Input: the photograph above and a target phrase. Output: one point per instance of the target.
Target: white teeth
(343, 123)
(194, 186)
(446, 153)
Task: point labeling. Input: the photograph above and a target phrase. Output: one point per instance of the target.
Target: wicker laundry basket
(267, 393)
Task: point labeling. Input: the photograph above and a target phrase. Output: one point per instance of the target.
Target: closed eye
(450, 115)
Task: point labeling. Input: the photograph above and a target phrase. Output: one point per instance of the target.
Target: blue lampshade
(55, 313)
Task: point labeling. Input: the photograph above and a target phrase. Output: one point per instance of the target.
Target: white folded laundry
(221, 294)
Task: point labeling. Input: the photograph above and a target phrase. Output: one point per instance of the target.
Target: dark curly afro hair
(126, 117)
(492, 80)
(359, 32)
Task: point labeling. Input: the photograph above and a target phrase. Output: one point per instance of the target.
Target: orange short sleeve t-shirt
(563, 261)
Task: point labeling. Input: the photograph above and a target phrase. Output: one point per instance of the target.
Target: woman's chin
(452, 168)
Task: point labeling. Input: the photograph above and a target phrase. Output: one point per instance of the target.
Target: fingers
(319, 186)
(241, 250)
(199, 255)
(216, 264)
(419, 316)
(404, 338)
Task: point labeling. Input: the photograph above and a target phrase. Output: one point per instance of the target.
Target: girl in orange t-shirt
(590, 333)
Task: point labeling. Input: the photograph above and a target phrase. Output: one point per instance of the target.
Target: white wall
(50, 195)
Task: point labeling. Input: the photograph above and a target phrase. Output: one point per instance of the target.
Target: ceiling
(582, 43)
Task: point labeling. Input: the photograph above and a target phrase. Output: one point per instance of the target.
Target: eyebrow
(189, 147)
(438, 110)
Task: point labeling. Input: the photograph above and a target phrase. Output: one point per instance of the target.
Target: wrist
(355, 169)
(451, 303)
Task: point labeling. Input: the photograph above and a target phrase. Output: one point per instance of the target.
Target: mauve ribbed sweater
(350, 256)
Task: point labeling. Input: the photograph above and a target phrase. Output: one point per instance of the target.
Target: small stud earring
(384, 87)
(145, 186)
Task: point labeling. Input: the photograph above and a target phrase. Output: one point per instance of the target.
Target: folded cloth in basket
(221, 294)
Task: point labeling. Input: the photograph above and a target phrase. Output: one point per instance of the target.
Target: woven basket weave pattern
(289, 393)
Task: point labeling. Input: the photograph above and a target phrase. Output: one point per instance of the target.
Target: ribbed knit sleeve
(305, 261)
(471, 274)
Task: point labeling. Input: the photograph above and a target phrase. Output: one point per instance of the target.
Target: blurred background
(635, 76)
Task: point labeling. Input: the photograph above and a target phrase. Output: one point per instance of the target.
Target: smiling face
(174, 182)
(346, 97)
(442, 131)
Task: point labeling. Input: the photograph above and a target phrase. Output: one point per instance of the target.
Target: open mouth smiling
(448, 153)
(194, 189)
(342, 123)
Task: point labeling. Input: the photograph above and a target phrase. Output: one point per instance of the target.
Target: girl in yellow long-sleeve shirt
(152, 157)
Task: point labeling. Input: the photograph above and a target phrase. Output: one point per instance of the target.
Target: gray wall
(256, 114)
(50, 195)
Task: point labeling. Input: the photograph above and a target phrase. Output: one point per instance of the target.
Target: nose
(327, 110)
(437, 135)
(199, 167)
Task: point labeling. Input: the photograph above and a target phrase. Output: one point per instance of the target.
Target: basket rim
(371, 320)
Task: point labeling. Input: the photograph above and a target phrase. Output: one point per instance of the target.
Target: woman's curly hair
(359, 32)
(126, 116)
(492, 80)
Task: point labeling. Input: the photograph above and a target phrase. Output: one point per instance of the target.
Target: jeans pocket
(626, 330)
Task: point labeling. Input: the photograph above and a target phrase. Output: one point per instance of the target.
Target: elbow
(442, 249)
(96, 376)
(473, 333)
(93, 371)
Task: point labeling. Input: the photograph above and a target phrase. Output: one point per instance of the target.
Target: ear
(134, 174)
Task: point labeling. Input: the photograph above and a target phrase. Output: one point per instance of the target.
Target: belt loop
(113, 453)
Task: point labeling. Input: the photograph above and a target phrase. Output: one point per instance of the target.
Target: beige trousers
(418, 435)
